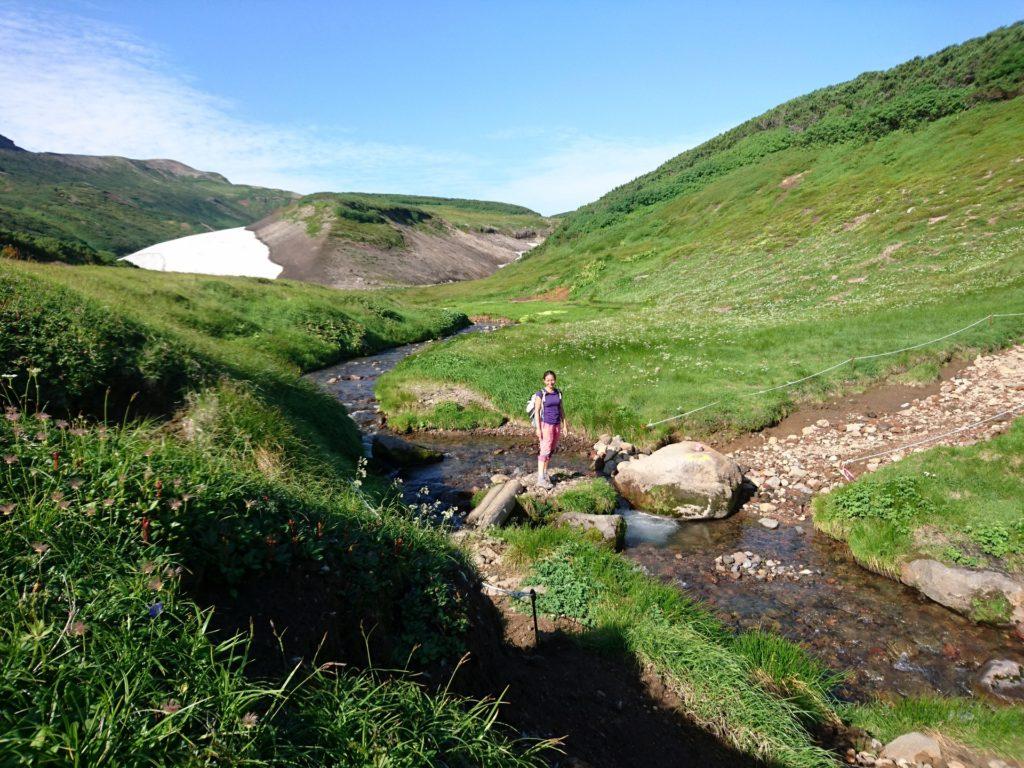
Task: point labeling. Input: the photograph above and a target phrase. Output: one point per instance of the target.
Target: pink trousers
(549, 434)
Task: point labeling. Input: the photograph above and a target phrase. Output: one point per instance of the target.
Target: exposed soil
(555, 294)
(882, 398)
(427, 258)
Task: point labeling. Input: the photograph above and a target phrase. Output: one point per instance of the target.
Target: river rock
(686, 480)
(1004, 678)
(611, 528)
(401, 453)
(769, 522)
(980, 595)
(915, 747)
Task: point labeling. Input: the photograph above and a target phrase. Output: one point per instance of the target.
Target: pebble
(769, 522)
(789, 471)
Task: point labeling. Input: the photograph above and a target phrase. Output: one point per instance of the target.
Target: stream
(889, 637)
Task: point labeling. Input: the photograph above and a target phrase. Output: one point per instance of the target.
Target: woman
(548, 418)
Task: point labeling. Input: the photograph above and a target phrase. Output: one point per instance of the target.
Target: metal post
(533, 606)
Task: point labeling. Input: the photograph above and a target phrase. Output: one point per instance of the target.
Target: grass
(106, 658)
(963, 502)
(758, 692)
(743, 282)
(979, 724)
(376, 220)
(104, 338)
(114, 206)
(111, 527)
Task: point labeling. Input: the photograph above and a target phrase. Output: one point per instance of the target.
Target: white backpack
(531, 410)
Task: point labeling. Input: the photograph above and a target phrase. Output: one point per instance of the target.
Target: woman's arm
(538, 406)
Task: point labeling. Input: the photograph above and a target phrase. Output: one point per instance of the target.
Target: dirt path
(805, 454)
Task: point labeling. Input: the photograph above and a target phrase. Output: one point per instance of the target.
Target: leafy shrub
(897, 501)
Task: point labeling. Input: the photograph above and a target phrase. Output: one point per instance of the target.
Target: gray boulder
(987, 596)
(611, 528)
(1004, 678)
(686, 480)
(401, 453)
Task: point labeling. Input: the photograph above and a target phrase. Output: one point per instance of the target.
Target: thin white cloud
(75, 85)
(72, 85)
(579, 169)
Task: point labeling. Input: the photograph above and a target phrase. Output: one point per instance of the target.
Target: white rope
(933, 438)
(509, 592)
(839, 365)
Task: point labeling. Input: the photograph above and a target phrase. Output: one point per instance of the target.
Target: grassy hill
(351, 240)
(863, 217)
(241, 486)
(113, 205)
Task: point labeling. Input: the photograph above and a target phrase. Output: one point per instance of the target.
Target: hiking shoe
(546, 484)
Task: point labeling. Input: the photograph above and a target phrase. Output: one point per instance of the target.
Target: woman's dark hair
(546, 373)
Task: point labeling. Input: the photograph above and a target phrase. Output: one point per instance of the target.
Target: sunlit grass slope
(770, 253)
(114, 205)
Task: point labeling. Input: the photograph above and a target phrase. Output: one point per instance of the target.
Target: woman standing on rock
(548, 418)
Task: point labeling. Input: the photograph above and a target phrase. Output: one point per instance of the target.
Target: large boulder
(611, 528)
(686, 480)
(401, 453)
(987, 596)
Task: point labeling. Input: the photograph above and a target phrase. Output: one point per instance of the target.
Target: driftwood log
(493, 491)
(500, 506)
(612, 528)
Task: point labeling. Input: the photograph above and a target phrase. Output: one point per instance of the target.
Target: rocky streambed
(764, 566)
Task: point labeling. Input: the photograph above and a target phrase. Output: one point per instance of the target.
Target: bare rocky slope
(360, 241)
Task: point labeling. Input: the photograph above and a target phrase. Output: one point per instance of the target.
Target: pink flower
(170, 706)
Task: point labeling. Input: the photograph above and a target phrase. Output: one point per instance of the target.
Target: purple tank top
(551, 413)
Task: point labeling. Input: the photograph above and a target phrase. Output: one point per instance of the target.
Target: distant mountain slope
(356, 240)
(114, 205)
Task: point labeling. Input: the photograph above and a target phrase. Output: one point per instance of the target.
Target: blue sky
(544, 104)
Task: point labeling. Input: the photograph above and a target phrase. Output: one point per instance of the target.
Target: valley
(256, 476)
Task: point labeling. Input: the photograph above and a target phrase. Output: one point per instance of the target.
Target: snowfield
(234, 251)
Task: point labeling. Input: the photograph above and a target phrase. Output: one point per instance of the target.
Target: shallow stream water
(888, 636)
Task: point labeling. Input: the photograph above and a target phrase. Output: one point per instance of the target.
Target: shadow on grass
(610, 712)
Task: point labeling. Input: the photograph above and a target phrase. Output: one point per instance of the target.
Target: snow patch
(234, 251)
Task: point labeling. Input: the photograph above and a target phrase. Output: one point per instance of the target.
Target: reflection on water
(888, 635)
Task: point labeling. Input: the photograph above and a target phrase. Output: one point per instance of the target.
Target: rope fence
(1019, 408)
(848, 361)
(520, 595)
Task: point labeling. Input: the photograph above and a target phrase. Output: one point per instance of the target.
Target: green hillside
(114, 205)
(863, 217)
(375, 219)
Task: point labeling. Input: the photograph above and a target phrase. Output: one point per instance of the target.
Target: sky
(545, 104)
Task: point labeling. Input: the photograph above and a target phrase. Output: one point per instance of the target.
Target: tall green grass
(106, 660)
(968, 497)
(757, 692)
